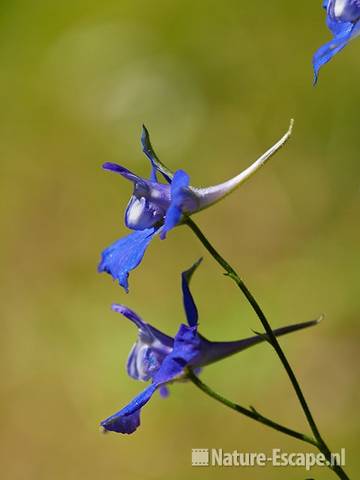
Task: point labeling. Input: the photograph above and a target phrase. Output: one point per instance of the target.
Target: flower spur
(163, 359)
(155, 208)
(343, 19)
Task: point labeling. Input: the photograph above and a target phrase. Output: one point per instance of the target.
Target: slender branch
(271, 339)
(251, 413)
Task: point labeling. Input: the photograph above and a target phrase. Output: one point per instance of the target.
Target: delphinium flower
(163, 359)
(343, 19)
(155, 208)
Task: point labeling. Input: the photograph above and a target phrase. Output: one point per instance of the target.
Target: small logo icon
(200, 457)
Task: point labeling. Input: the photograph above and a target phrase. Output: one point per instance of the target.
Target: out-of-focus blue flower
(164, 359)
(343, 19)
(155, 208)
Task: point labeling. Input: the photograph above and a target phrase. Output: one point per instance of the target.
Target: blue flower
(155, 208)
(163, 359)
(343, 19)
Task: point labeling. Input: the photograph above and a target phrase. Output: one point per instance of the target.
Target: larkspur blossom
(163, 359)
(155, 208)
(343, 19)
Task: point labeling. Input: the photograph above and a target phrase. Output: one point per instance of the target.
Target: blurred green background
(216, 84)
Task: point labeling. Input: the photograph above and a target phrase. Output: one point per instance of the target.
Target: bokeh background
(216, 84)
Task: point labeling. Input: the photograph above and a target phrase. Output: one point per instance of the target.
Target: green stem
(272, 340)
(266, 421)
(247, 412)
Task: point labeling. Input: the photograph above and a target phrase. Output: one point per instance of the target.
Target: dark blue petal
(186, 349)
(188, 300)
(128, 419)
(122, 424)
(179, 195)
(125, 254)
(187, 344)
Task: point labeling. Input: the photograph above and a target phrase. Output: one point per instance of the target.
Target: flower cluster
(158, 204)
(156, 208)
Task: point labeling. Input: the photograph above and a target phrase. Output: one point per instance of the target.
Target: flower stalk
(270, 337)
(248, 412)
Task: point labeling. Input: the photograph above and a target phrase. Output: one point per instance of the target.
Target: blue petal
(338, 27)
(124, 172)
(128, 418)
(145, 328)
(150, 349)
(132, 316)
(187, 345)
(179, 195)
(144, 361)
(344, 23)
(188, 300)
(122, 424)
(327, 51)
(186, 349)
(125, 254)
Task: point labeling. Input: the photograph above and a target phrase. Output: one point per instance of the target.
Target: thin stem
(232, 274)
(271, 339)
(247, 412)
(266, 421)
